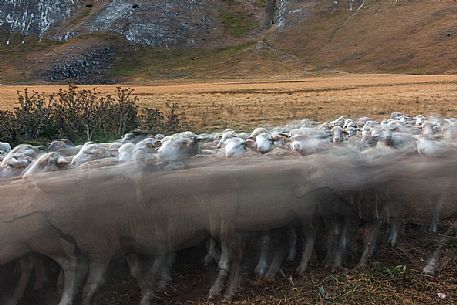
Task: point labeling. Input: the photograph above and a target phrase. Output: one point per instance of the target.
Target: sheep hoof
(228, 297)
(214, 292)
(301, 269)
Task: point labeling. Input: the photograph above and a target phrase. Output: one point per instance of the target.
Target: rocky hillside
(99, 41)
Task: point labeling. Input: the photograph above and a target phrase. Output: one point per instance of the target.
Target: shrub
(83, 115)
(7, 127)
(32, 116)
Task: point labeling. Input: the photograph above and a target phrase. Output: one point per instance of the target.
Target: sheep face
(235, 147)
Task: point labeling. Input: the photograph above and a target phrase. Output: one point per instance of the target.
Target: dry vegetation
(243, 105)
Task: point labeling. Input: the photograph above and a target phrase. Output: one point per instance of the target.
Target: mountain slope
(143, 41)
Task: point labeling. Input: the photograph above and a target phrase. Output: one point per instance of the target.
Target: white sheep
(17, 160)
(92, 151)
(337, 134)
(5, 148)
(235, 147)
(264, 142)
(125, 152)
(47, 162)
(179, 147)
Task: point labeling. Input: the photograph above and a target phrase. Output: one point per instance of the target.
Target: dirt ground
(393, 276)
(247, 104)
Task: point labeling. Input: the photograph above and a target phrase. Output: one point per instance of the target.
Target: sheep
(307, 145)
(401, 141)
(351, 128)
(134, 137)
(5, 148)
(24, 231)
(179, 147)
(109, 203)
(125, 152)
(360, 122)
(263, 142)
(205, 137)
(258, 131)
(373, 186)
(235, 147)
(141, 151)
(337, 134)
(47, 162)
(58, 145)
(419, 120)
(428, 144)
(338, 122)
(227, 134)
(91, 151)
(14, 163)
(449, 133)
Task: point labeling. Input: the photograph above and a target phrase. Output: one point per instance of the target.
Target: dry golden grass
(243, 105)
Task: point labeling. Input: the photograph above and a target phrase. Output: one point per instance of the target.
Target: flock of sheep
(145, 197)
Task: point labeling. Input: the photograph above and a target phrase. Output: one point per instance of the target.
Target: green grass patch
(154, 63)
(261, 3)
(238, 23)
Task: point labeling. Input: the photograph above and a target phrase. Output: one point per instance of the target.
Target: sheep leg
(261, 267)
(330, 255)
(213, 252)
(60, 282)
(237, 247)
(69, 267)
(26, 266)
(292, 238)
(40, 274)
(97, 269)
(279, 256)
(433, 261)
(308, 233)
(69, 263)
(166, 265)
(137, 270)
(435, 216)
(224, 266)
(341, 246)
(393, 234)
(370, 237)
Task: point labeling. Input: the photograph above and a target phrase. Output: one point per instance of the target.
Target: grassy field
(247, 104)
